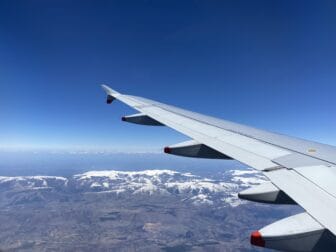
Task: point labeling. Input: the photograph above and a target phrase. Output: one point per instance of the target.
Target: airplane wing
(300, 172)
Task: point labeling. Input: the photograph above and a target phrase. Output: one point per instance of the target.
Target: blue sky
(269, 64)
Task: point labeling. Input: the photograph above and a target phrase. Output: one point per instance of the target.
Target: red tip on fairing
(167, 150)
(257, 240)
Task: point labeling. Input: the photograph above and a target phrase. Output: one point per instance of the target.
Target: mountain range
(148, 210)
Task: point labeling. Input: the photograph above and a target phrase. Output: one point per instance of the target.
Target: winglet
(110, 91)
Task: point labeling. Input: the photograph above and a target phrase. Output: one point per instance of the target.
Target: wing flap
(322, 176)
(317, 202)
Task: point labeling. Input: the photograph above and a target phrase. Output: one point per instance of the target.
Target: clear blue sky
(269, 64)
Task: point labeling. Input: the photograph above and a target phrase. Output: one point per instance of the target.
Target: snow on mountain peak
(192, 188)
(32, 182)
(112, 174)
(197, 189)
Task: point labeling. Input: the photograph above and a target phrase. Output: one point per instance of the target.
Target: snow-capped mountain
(32, 182)
(189, 187)
(148, 210)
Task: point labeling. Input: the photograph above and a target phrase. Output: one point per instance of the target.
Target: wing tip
(109, 90)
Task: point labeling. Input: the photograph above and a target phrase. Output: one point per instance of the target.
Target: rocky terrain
(149, 210)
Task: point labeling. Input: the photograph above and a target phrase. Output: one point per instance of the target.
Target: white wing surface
(300, 171)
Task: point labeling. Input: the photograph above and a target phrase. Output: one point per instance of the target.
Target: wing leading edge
(293, 166)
